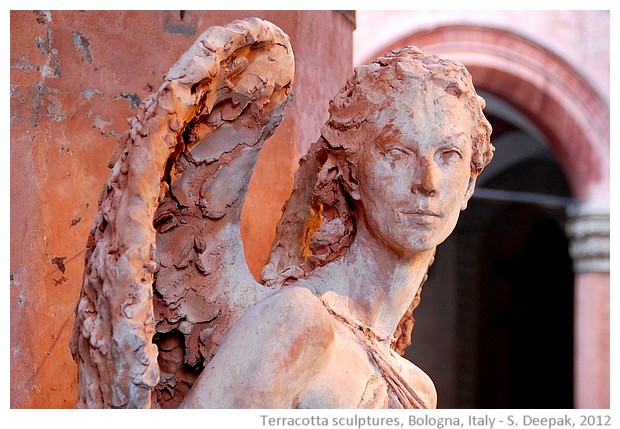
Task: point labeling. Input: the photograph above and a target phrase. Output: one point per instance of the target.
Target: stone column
(588, 230)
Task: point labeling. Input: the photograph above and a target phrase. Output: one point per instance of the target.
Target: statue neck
(373, 283)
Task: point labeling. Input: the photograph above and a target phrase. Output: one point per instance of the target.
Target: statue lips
(420, 216)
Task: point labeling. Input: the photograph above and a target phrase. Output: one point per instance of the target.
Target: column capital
(588, 230)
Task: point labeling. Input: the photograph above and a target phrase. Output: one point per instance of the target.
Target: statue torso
(362, 372)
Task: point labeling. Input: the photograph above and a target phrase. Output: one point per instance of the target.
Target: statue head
(404, 144)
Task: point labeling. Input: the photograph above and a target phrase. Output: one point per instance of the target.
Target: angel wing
(165, 274)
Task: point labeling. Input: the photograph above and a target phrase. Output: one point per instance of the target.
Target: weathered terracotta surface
(395, 164)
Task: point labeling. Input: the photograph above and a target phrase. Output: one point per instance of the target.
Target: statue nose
(424, 180)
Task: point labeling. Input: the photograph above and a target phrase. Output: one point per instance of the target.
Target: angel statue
(169, 314)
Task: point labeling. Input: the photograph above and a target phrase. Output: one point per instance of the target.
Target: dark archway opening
(524, 287)
(525, 326)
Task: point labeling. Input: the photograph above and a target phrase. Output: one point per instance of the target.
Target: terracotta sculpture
(171, 313)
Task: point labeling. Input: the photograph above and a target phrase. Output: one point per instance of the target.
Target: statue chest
(359, 376)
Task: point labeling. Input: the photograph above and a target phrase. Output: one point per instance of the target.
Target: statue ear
(349, 176)
(470, 189)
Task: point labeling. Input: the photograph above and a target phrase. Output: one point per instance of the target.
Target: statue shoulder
(295, 311)
(269, 355)
(424, 386)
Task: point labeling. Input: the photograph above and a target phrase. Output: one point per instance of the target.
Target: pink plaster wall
(581, 37)
(592, 335)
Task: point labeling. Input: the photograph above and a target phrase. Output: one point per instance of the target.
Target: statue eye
(449, 155)
(394, 153)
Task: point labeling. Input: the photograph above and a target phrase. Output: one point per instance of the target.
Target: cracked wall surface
(76, 76)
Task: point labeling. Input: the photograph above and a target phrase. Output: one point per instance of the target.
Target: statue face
(415, 178)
